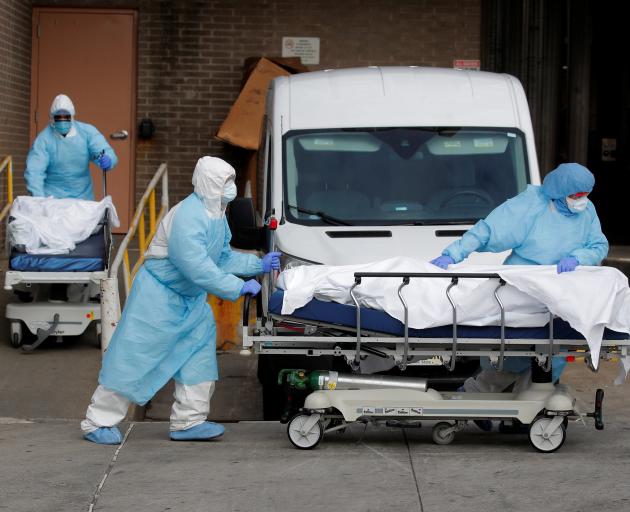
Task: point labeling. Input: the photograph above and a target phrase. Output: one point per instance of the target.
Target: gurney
(33, 276)
(357, 333)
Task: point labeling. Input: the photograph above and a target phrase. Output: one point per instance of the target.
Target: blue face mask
(63, 127)
(229, 193)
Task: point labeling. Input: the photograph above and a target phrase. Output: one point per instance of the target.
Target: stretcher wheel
(549, 443)
(306, 440)
(16, 334)
(440, 434)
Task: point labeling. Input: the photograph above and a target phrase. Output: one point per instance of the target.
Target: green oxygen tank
(330, 380)
(302, 379)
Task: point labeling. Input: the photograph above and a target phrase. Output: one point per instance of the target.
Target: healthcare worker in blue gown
(167, 329)
(552, 224)
(58, 164)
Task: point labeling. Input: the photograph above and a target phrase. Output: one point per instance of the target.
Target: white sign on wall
(307, 48)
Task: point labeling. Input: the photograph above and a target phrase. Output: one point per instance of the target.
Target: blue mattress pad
(88, 256)
(380, 322)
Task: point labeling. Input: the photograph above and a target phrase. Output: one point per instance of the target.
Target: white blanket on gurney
(43, 225)
(590, 299)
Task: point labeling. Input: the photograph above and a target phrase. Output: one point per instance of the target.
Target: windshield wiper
(324, 216)
(440, 222)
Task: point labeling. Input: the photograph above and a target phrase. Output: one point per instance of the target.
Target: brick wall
(15, 78)
(191, 55)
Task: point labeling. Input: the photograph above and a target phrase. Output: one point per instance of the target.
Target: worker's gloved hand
(271, 261)
(567, 264)
(104, 162)
(443, 262)
(251, 287)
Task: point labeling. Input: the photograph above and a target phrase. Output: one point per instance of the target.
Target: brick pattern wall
(15, 79)
(191, 55)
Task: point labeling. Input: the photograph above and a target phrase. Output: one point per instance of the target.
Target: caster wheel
(546, 443)
(16, 334)
(304, 440)
(440, 434)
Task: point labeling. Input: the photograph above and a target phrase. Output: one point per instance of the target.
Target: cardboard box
(243, 125)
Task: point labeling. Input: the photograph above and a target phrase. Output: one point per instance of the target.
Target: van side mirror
(241, 218)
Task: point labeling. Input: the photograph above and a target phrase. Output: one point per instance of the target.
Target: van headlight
(287, 261)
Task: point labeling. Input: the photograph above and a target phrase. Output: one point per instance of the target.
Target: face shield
(62, 121)
(62, 114)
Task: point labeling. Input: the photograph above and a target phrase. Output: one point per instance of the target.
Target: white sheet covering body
(44, 225)
(590, 298)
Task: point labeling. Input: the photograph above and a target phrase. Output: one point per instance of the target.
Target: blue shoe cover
(202, 432)
(105, 435)
(485, 425)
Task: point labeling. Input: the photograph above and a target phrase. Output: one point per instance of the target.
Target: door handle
(121, 135)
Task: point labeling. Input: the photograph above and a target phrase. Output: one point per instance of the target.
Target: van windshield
(389, 176)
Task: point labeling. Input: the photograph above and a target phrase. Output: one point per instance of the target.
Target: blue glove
(567, 264)
(443, 261)
(251, 287)
(104, 162)
(271, 261)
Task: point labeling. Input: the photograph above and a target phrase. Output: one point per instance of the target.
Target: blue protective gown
(539, 228)
(536, 232)
(167, 329)
(59, 166)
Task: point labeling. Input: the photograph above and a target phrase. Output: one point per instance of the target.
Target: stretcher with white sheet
(358, 334)
(76, 272)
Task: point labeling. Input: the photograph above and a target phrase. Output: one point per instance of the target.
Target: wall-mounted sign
(472, 64)
(307, 48)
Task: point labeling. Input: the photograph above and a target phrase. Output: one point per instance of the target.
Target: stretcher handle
(502, 349)
(442, 275)
(95, 158)
(355, 365)
(246, 304)
(403, 364)
(454, 282)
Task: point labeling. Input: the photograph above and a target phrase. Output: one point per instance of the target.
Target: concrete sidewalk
(45, 466)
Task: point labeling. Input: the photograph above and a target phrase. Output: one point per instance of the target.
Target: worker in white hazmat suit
(167, 329)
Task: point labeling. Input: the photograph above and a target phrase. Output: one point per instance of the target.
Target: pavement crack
(110, 467)
(385, 457)
(413, 471)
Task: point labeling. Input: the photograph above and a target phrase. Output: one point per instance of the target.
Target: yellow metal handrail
(138, 227)
(7, 163)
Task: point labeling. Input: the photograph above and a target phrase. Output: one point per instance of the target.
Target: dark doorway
(608, 155)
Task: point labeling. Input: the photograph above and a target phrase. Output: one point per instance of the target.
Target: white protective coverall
(167, 329)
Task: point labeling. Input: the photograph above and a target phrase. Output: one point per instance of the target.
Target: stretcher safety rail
(294, 334)
(406, 279)
(110, 297)
(7, 165)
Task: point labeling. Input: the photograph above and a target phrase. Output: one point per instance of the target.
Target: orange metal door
(90, 55)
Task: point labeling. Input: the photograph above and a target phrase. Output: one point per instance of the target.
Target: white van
(364, 164)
